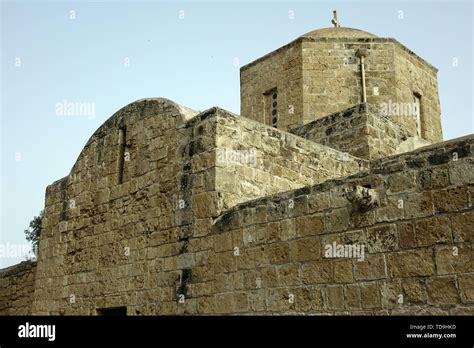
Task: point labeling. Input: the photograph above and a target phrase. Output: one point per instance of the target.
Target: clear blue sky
(189, 60)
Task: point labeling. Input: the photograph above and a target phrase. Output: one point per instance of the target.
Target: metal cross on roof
(335, 21)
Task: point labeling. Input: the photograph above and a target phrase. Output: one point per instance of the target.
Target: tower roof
(338, 32)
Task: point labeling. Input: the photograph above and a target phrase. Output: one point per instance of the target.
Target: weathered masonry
(331, 193)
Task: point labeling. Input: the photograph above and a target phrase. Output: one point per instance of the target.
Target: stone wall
(107, 243)
(101, 237)
(270, 253)
(168, 240)
(360, 131)
(17, 288)
(281, 70)
(272, 160)
(414, 76)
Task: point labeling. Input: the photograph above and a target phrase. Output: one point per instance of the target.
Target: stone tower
(321, 72)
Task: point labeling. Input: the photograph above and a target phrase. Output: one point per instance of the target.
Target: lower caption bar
(291, 330)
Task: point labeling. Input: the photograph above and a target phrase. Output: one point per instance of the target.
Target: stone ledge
(377, 167)
(17, 269)
(361, 40)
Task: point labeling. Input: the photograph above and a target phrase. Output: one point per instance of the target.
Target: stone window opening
(271, 107)
(121, 155)
(418, 115)
(113, 311)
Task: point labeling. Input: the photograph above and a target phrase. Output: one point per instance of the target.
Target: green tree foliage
(33, 232)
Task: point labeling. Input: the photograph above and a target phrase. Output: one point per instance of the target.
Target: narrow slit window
(418, 114)
(271, 107)
(274, 111)
(121, 155)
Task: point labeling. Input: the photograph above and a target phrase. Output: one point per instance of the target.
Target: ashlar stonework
(312, 201)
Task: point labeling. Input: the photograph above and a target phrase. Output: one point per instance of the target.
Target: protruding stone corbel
(362, 198)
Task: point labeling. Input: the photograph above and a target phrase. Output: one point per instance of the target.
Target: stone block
(450, 200)
(288, 229)
(460, 172)
(401, 182)
(412, 263)
(278, 253)
(343, 272)
(382, 238)
(224, 303)
(223, 242)
(392, 293)
(335, 295)
(206, 305)
(454, 259)
(391, 211)
(257, 300)
(305, 249)
(372, 267)
(433, 178)
(432, 231)
(406, 235)
(240, 302)
(370, 295)
(205, 205)
(308, 299)
(288, 275)
(298, 206)
(418, 205)
(309, 225)
(463, 227)
(318, 202)
(279, 300)
(466, 287)
(352, 296)
(442, 291)
(414, 290)
(338, 220)
(317, 272)
(185, 261)
(223, 262)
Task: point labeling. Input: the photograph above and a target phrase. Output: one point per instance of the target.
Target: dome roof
(339, 32)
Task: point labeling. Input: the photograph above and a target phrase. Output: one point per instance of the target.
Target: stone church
(331, 193)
